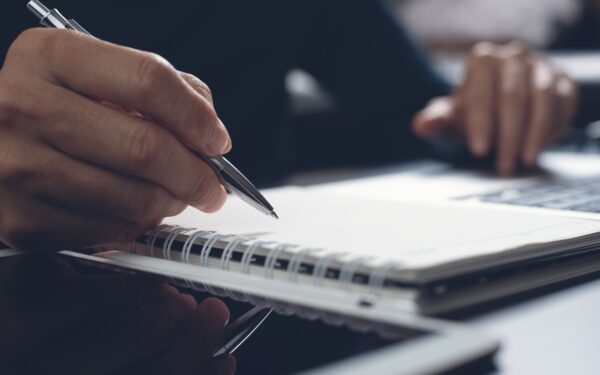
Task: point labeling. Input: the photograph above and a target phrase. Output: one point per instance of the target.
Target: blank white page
(414, 235)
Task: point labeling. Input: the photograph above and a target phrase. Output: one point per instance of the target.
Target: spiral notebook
(435, 255)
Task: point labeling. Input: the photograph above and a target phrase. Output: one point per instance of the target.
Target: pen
(241, 329)
(233, 180)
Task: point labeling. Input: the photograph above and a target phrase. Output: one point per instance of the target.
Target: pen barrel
(49, 18)
(38, 9)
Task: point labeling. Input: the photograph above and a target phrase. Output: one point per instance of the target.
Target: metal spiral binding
(345, 279)
(157, 232)
(249, 253)
(170, 239)
(225, 260)
(271, 259)
(189, 244)
(229, 249)
(321, 267)
(205, 256)
(187, 248)
(348, 271)
(296, 262)
(166, 251)
(378, 276)
(150, 234)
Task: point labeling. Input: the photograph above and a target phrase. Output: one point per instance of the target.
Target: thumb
(437, 119)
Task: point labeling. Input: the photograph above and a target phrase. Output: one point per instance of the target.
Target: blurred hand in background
(511, 102)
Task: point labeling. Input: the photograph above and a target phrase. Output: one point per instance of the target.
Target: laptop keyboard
(577, 194)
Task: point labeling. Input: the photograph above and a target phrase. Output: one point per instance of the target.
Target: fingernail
(217, 309)
(228, 147)
(220, 140)
(186, 299)
(170, 289)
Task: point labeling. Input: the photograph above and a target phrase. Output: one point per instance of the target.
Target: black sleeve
(379, 78)
(15, 19)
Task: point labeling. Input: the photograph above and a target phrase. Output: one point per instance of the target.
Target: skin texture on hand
(96, 142)
(511, 102)
(54, 321)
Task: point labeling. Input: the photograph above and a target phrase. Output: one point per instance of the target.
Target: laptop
(566, 184)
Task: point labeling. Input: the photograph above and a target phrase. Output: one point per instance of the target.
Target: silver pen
(233, 180)
(238, 331)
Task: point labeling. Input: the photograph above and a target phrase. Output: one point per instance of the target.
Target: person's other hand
(54, 321)
(511, 102)
(96, 142)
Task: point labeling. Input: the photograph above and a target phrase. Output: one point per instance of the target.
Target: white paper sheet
(413, 235)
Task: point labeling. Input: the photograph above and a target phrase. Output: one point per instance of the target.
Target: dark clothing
(582, 35)
(243, 51)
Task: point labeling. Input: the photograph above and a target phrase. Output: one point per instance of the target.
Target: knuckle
(154, 74)
(48, 43)
(203, 124)
(206, 91)
(30, 41)
(147, 147)
(198, 85)
(547, 90)
(483, 50)
(16, 102)
(17, 174)
(8, 106)
(517, 48)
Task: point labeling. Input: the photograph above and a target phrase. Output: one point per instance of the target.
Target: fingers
(513, 107)
(480, 94)
(567, 97)
(127, 77)
(439, 118)
(198, 86)
(202, 89)
(87, 189)
(193, 345)
(103, 136)
(510, 100)
(543, 114)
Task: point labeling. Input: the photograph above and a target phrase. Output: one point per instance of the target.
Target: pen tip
(274, 215)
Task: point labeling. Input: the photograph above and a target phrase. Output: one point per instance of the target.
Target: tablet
(321, 330)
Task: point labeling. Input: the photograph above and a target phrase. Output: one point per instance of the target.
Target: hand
(511, 102)
(96, 139)
(53, 321)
